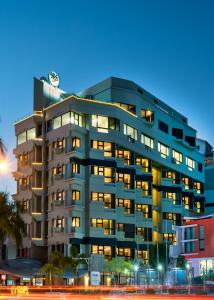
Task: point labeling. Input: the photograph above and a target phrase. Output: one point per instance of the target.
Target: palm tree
(74, 260)
(50, 269)
(11, 223)
(56, 266)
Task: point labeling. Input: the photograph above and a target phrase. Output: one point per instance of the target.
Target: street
(62, 296)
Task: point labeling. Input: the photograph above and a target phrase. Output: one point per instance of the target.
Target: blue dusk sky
(167, 47)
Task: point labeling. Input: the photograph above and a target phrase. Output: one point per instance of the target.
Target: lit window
(145, 186)
(75, 195)
(148, 115)
(103, 171)
(163, 149)
(190, 163)
(105, 146)
(127, 204)
(107, 224)
(144, 162)
(177, 156)
(103, 197)
(76, 222)
(147, 141)
(75, 142)
(75, 168)
(130, 131)
(104, 250)
(100, 122)
(124, 252)
(125, 178)
(125, 154)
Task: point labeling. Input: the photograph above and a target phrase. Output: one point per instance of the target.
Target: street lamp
(160, 269)
(188, 268)
(136, 268)
(126, 273)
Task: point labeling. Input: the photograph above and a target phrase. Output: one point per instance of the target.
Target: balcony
(58, 202)
(58, 176)
(58, 229)
(59, 150)
(168, 205)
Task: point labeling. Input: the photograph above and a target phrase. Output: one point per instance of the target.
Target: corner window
(163, 149)
(75, 222)
(75, 195)
(75, 168)
(76, 142)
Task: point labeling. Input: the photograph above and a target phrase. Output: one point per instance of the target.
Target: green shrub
(150, 291)
(172, 291)
(201, 292)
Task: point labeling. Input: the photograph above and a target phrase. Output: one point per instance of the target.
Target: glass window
(75, 168)
(104, 250)
(31, 133)
(66, 119)
(147, 141)
(21, 138)
(148, 115)
(76, 119)
(103, 197)
(177, 156)
(130, 131)
(163, 126)
(125, 178)
(102, 145)
(75, 195)
(144, 162)
(76, 222)
(190, 163)
(163, 149)
(76, 142)
(57, 122)
(100, 122)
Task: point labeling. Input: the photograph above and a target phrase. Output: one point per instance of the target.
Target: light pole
(188, 268)
(136, 268)
(160, 269)
(126, 273)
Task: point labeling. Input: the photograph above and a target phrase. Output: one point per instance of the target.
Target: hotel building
(109, 170)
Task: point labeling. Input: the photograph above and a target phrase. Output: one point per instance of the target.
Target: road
(61, 296)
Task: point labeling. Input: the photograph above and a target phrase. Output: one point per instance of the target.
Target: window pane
(21, 138)
(57, 122)
(66, 119)
(31, 134)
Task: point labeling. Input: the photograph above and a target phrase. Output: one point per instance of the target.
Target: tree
(181, 262)
(11, 223)
(50, 270)
(161, 252)
(74, 260)
(118, 266)
(56, 266)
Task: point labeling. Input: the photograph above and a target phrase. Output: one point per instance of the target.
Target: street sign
(95, 278)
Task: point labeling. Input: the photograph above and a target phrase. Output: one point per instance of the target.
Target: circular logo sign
(53, 79)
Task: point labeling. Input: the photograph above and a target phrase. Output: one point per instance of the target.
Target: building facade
(195, 241)
(109, 170)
